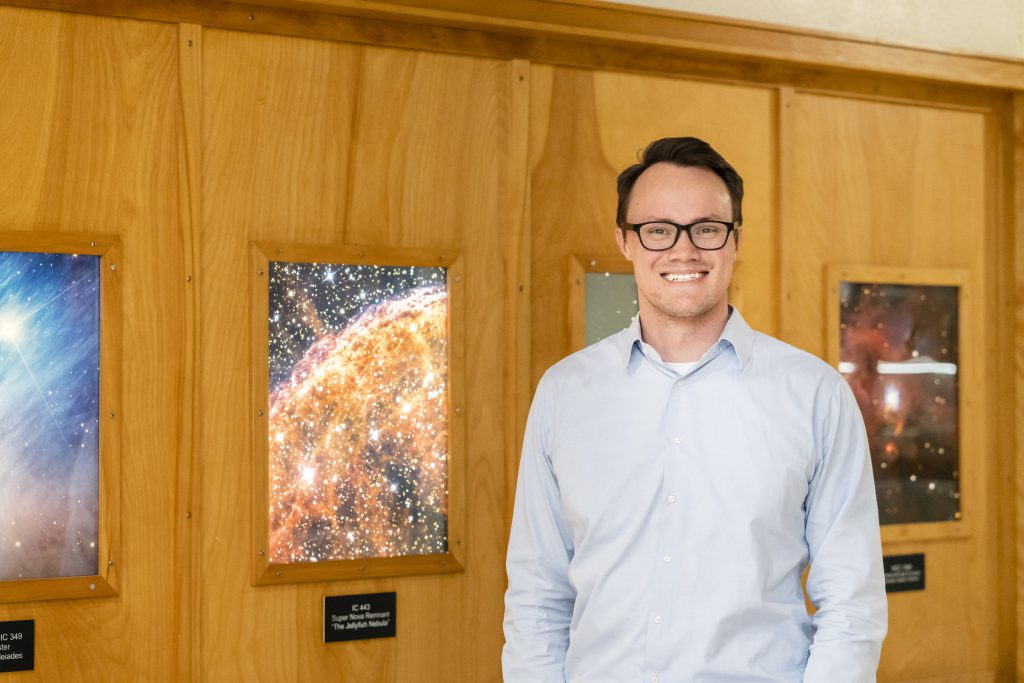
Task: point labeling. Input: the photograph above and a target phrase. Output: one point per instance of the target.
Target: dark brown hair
(681, 152)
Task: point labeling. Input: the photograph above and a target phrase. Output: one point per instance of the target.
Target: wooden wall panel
(431, 169)
(585, 127)
(316, 142)
(270, 171)
(897, 185)
(90, 146)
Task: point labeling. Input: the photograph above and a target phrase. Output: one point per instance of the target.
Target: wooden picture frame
(104, 582)
(273, 566)
(911, 284)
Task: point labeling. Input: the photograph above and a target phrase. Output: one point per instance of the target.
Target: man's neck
(682, 340)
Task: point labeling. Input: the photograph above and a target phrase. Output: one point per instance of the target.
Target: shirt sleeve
(539, 600)
(846, 581)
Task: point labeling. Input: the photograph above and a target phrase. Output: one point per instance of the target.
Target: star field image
(49, 415)
(899, 353)
(358, 432)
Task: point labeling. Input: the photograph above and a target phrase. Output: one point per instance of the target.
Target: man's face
(684, 283)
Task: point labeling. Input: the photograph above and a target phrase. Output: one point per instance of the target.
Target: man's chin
(689, 314)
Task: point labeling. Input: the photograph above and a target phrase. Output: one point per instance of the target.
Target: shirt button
(658, 620)
(677, 439)
(666, 559)
(654, 679)
(671, 499)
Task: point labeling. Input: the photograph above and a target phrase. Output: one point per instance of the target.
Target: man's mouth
(685, 277)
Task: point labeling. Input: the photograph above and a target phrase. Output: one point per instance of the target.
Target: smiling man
(679, 476)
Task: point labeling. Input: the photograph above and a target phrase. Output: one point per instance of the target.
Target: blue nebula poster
(49, 414)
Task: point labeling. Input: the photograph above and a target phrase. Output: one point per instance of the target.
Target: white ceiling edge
(981, 27)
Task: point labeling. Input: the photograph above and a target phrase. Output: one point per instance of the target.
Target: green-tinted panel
(611, 304)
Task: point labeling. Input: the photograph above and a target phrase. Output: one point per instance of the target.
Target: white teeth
(682, 277)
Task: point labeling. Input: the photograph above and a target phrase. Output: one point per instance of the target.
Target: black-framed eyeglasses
(662, 235)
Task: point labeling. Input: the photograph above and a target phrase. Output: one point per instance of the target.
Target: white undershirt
(682, 368)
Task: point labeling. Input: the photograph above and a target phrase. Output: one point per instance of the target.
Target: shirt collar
(737, 334)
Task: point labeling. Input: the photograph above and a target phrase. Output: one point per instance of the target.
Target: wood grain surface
(319, 143)
(91, 147)
(895, 186)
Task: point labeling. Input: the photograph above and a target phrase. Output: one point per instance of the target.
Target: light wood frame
(969, 365)
(579, 266)
(266, 572)
(105, 582)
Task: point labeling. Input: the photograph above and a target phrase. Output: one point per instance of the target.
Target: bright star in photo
(49, 415)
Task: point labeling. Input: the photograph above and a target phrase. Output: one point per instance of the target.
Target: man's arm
(846, 582)
(539, 600)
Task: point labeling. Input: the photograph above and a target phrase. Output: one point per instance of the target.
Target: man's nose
(684, 248)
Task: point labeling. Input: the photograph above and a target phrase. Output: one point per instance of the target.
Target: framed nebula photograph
(897, 336)
(357, 415)
(602, 297)
(59, 379)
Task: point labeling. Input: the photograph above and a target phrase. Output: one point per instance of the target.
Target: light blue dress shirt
(662, 522)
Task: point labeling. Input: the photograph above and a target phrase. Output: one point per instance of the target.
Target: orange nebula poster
(358, 426)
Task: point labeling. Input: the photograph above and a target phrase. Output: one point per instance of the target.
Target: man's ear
(738, 231)
(624, 246)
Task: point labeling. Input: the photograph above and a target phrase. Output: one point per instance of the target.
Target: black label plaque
(17, 645)
(904, 572)
(358, 617)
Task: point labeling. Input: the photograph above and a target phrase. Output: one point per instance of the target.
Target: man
(677, 477)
